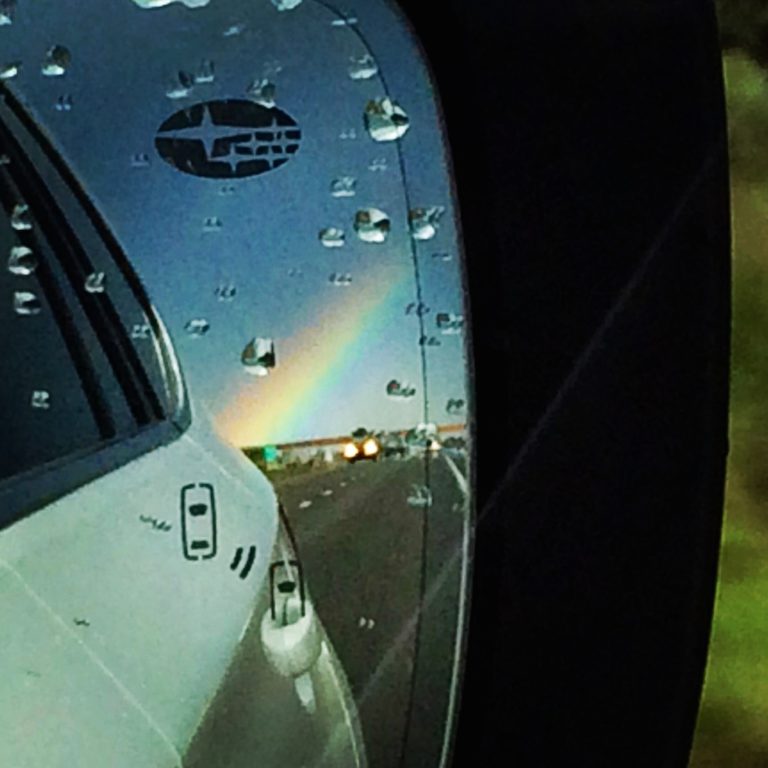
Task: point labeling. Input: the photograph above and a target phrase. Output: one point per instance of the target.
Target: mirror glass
(277, 176)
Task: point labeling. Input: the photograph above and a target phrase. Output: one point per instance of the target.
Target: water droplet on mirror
(205, 72)
(197, 327)
(429, 341)
(40, 399)
(95, 282)
(419, 309)
(372, 225)
(455, 406)
(5, 160)
(332, 237)
(7, 12)
(212, 224)
(396, 389)
(140, 160)
(263, 92)
(225, 292)
(363, 67)
(63, 103)
(20, 217)
(345, 19)
(449, 324)
(385, 120)
(180, 86)
(424, 222)
(378, 165)
(420, 497)
(140, 331)
(234, 29)
(442, 256)
(326, 492)
(10, 70)
(22, 261)
(286, 5)
(26, 303)
(305, 504)
(57, 59)
(161, 3)
(272, 67)
(227, 190)
(258, 357)
(348, 134)
(295, 272)
(343, 280)
(344, 186)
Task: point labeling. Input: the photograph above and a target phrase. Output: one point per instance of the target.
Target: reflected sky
(338, 343)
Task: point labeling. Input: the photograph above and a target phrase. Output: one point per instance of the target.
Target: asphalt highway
(383, 566)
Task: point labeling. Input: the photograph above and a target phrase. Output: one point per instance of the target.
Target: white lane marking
(461, 639)
(460, 479)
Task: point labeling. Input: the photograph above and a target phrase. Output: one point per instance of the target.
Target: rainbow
(312, 363)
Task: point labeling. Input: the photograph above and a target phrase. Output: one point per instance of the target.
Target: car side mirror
(290, 633)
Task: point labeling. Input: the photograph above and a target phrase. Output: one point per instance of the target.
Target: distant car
(151, 585)
(362, 448)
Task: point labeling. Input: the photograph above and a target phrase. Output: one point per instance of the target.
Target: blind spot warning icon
(198, 521)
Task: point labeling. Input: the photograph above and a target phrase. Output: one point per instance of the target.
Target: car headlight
(370, 447)
(350, 451)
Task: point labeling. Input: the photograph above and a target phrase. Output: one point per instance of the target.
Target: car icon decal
(198, 521)
(228, 139)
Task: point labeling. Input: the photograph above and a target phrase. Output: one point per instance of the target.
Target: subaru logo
(228, 139)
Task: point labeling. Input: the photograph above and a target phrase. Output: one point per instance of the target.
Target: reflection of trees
(727, 734)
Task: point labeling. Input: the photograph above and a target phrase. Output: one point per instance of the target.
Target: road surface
(369, 556)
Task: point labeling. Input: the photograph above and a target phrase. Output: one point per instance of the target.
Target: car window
(88, 363)
(47, 413)
(106, 288)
